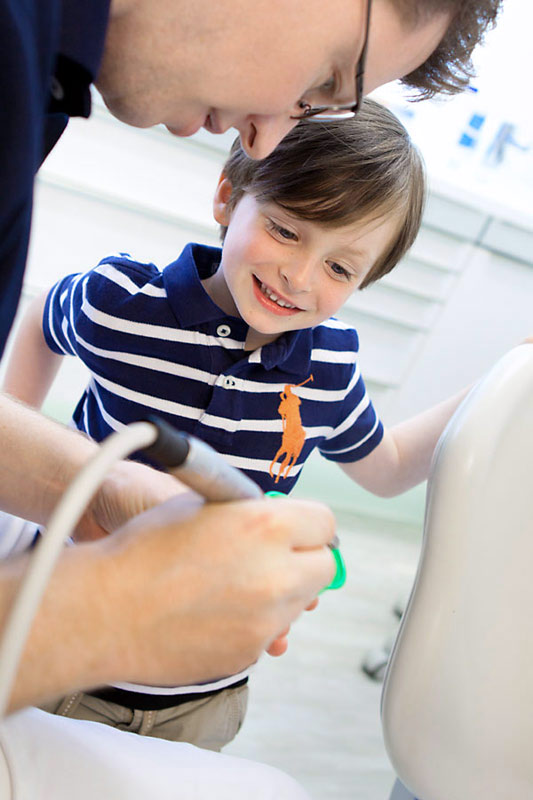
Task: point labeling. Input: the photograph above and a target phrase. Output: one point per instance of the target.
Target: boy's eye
(283, 232)
(339, 271)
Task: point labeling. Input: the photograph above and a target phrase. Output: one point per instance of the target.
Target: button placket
(224, 404)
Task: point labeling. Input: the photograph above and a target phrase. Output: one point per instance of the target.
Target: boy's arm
(403, 457)
(32, 366)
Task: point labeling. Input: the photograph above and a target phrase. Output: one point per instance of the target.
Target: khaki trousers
(209, 722)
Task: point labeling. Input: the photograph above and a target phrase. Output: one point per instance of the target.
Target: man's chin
(126, 112)
(187, 129)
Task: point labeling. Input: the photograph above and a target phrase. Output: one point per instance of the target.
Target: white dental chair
(457, 704)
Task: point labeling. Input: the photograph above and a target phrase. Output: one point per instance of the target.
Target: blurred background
(459, 300)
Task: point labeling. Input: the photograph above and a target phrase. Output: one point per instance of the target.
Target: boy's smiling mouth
(273, 301)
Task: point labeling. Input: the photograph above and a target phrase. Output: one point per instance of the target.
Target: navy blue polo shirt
(50, 51)
(155, 342)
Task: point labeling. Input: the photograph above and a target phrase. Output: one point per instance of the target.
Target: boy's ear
(221, 201)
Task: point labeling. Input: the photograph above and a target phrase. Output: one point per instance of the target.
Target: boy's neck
(254, 339)
(220, 295)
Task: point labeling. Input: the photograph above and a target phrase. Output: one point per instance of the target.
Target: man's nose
(260, 134)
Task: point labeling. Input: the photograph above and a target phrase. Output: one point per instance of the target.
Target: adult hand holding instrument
(201, 468)
(198, 466)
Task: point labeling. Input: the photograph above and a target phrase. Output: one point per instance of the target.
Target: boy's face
(280, 273)
(242, 64)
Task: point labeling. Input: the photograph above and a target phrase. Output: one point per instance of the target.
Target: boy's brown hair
(339, 172)
(449, 68)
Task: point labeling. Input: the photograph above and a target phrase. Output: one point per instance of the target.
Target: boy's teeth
(274, 297)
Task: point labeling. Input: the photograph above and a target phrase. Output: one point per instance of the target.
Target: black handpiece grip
(199, 466)
(171, 448)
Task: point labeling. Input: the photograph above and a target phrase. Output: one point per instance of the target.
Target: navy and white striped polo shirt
(155, 342)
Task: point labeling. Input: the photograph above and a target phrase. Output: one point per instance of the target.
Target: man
(258, 67)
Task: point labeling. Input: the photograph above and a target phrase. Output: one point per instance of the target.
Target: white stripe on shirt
(113, 274)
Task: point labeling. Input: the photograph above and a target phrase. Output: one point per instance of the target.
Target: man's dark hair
(449, 68)
(339, 172)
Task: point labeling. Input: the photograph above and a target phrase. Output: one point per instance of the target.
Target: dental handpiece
(199, 466)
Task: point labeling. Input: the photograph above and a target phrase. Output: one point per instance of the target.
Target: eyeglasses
(321, 113)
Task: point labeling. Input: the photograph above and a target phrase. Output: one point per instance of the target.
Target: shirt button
(56, 90)
(229, 383)
(223, 330)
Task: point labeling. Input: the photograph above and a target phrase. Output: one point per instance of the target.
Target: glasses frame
(320, 113)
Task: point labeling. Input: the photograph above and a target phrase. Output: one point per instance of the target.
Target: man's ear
(221, 201)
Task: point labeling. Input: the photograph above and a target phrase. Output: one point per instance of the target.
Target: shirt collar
(192, 306)
(187, 297)
(78, 56)
(292, 352)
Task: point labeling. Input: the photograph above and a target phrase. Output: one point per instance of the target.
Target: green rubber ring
(339, 579)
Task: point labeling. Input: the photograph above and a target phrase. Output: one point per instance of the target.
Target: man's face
(242, 64)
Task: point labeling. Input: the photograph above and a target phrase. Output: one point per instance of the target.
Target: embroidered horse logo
(293, 436)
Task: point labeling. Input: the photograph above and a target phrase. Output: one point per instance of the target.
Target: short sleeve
(61, 311)
(359, 429)
(85, 313)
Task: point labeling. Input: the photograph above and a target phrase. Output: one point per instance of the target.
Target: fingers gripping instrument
(204, 470)
(339, 579)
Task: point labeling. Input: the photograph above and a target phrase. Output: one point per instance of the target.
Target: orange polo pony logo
(293, 436)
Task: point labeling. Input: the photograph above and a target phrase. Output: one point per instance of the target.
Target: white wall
(489, 312)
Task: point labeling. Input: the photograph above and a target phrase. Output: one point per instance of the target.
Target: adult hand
(129, 489)
(202, 589)
(281, 642)
(185, 592)
(43, 457)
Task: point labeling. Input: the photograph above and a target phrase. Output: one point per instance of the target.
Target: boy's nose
(298, 276)
(260, 134)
